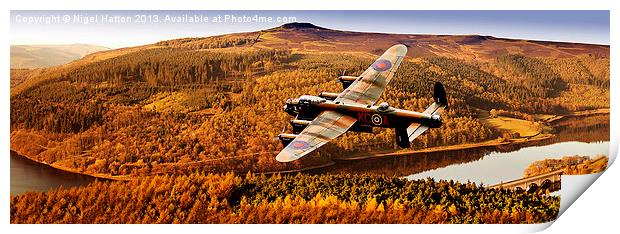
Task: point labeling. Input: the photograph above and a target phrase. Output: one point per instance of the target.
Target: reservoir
(497, 167)
(29, 176)
(489, 165)
(588, 136)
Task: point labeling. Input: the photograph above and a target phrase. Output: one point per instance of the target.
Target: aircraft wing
(368, 88)
(325, 127)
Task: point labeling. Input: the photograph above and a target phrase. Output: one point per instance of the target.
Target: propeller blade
(276, 138)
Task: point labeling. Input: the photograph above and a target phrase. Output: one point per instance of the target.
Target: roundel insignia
(376, 119)
(299, 144)
(381, 65)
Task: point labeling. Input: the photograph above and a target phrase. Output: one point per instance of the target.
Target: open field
(522, 127)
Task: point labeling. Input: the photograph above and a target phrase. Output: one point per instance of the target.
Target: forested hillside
(214, 104)
(199, 198)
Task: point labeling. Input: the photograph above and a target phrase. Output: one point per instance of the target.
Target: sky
(116, 29)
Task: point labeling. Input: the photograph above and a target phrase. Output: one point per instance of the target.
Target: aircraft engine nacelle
(299, 125)
(347, 80)
(328, 95)
(286, 138)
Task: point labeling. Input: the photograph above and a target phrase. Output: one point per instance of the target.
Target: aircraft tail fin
(441, 103)
(441, 100)
(439, 94)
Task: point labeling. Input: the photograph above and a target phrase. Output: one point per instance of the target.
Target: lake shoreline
(489, 143)
(388, 153)
(540, 136)
(65, 169)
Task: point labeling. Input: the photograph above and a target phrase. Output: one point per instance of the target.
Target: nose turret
(291, 107)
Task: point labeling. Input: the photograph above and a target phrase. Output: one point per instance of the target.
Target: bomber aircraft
(321, 119)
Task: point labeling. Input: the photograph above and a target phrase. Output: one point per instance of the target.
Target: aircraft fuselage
(367, 116)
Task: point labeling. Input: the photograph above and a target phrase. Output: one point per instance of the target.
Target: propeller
(283, 129)
(281, 132)
(343, 73)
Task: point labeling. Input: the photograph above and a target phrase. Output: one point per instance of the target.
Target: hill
(458, 47)
(311, 38)
(214, 104)
(36, 56)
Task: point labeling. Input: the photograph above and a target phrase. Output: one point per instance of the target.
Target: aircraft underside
(319, 119)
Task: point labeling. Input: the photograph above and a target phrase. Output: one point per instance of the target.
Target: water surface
(584, 136)
(498, 167)
(30, 176)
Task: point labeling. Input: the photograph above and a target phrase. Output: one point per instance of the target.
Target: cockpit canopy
(308, 99)
(384, 106)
